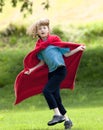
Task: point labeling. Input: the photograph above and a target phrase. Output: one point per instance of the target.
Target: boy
(52, 56)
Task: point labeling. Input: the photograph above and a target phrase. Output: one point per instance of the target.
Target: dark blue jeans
(52, 89)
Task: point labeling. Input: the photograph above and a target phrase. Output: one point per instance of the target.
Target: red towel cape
(28, 85)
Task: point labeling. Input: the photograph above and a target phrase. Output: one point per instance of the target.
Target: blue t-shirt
(53, 56)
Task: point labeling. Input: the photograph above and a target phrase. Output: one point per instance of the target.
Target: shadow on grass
(55, 129)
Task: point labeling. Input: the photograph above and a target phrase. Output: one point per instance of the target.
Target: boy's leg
(59, 102)
(68, 123)
(56, 111)
(52, 86)
(57, 118)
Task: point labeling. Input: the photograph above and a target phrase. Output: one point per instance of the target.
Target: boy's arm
(80, 48)
(35, 67)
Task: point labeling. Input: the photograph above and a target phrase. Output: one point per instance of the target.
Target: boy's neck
(44, 38)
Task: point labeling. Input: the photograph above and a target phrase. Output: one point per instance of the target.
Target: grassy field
(84, 106)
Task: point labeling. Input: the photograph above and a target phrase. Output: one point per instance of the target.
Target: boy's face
(43, 31)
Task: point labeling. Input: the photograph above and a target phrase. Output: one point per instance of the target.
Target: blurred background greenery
(79, 21)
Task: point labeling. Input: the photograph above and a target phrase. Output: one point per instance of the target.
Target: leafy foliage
(58, 31)
(26, 5)
(13, 30)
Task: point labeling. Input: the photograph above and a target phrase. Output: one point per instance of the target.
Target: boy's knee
(46, 92)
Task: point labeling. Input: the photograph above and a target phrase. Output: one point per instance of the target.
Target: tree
(26, 5)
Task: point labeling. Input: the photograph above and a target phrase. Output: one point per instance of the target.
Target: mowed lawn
(83, 118)
(84, 106)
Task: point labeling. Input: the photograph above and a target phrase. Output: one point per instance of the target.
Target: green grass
(83, 118)
(84, 106)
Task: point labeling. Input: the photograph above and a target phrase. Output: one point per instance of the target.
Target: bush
(11, 63)
(90, 31)
(91, 65)
(14, 30)
(58, 31)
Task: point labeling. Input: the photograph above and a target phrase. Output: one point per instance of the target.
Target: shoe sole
(69, 128)
(56, 122)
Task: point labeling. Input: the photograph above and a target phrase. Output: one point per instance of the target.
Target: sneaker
(68, 124)
(56, 119)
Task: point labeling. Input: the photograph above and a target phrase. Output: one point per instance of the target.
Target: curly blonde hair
(32, 30)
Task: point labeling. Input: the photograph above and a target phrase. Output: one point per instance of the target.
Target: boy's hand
(81, 48)
(28, 72)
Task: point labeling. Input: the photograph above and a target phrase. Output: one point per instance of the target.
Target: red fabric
(28, 85)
